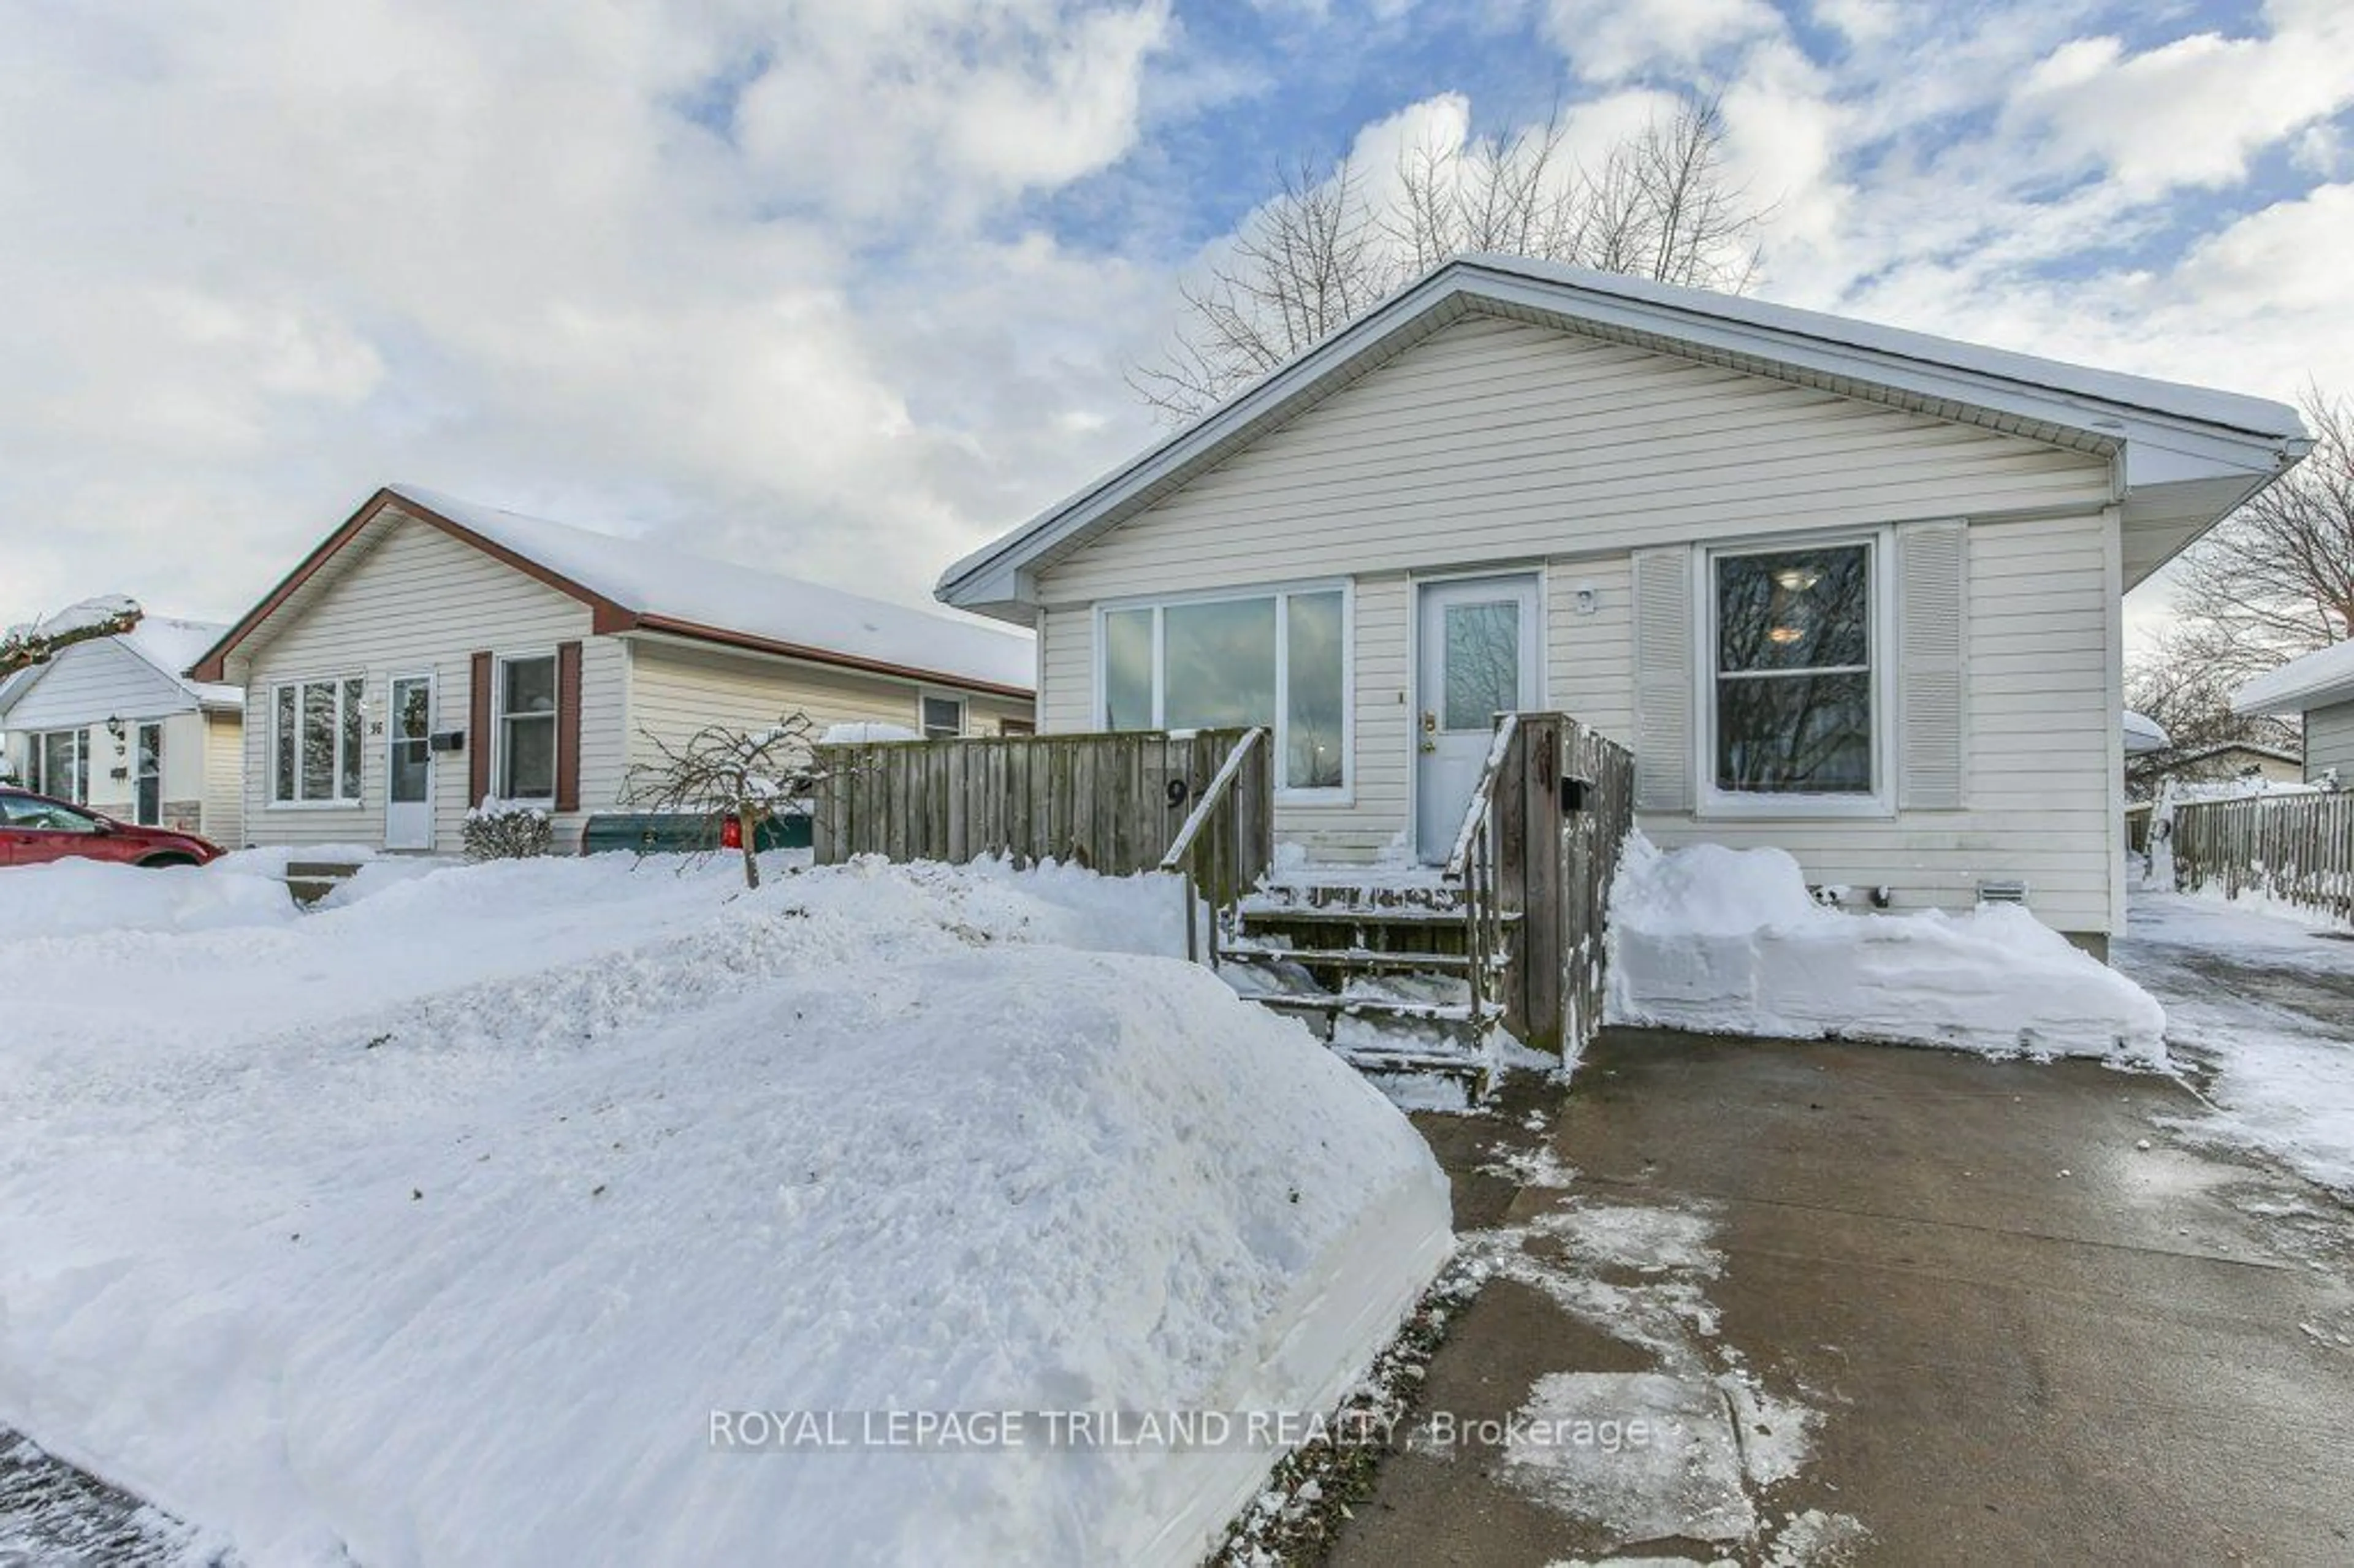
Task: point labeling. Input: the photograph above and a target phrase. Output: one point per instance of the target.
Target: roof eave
(2171, 447)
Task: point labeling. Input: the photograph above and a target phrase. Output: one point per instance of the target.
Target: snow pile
(436, 1226)
(72, 897)
(858, 732)
(1730, 942)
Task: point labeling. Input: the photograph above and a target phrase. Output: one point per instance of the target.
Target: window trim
(139, 729)
(941, 695)
(1881, 652)
(555, 716)
(37, 757)
(1342, 794)
(341, 682)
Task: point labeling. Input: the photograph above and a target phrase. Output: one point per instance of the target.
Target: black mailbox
(447, 740)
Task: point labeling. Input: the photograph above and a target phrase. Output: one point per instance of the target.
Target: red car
(35, 829)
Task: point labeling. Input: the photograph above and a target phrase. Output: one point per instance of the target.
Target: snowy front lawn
(1727, 941)
(435, 1226)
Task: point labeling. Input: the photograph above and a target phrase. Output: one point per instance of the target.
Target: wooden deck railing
(1227, 844)
(1539, 847)
(2298, 849)
(1113, 802)
(1471, 866)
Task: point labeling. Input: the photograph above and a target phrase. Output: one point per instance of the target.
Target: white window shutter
(1932, 653)
(1663, 680)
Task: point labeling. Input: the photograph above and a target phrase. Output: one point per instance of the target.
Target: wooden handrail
(1483, 798)
(1219, 787)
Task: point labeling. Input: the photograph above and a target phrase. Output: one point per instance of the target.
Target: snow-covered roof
(640, 586)
(2191, 453)
(168, 644)
(2315, 680)
(2144, 733)
(173, 646)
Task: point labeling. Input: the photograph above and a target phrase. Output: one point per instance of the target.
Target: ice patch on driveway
(1713, 1441)
(1643, 1455)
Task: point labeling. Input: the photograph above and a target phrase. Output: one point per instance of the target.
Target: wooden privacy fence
(1112, 802)
(2295, 848)
(1559, 806)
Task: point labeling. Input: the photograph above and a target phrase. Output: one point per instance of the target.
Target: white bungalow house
(115, 725)
(431, 653)
(2320, 689)
(1844, 589)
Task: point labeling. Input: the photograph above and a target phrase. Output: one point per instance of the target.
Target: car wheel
(157, 862)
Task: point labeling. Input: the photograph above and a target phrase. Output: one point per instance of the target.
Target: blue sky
(851, 285)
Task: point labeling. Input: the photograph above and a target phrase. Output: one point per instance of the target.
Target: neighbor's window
(1276, 659)
(314, 741)
(943, 718)
(62, 764)
(1794, 706)
(527, 728)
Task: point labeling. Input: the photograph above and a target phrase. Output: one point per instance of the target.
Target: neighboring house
(431, 653)
(2238, 760)
(1843, 590)
(2320, 688)
(113, 724)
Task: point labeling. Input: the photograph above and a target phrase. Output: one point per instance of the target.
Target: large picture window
(527, 728)
(1792, 676)
(314, 741)
(1276, 659)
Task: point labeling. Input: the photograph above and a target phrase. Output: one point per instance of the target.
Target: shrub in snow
(1726, 941)
(504, 829)
(745, 777)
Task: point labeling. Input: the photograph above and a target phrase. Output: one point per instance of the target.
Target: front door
(408, 765)
(1481, 640)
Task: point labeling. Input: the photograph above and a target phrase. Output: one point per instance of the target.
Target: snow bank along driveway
(1724, 941)
(434, 1227)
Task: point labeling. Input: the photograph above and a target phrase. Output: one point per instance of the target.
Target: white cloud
(275, 254)
(2194, 111)
(1613, 40)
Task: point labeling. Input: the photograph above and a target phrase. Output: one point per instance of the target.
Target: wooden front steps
(1379, 972)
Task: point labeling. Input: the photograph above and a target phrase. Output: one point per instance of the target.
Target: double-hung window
(943, 717)
(527, 724)
(60, 765)
(1792, 706)
(314, 741)
(1276, 659)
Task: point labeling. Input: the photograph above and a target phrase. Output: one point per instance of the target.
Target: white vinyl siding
(220, 744)
(417, 601)
(1494, 441)
(1496, 445)
(2042, 798)
(2330, 742)
(676, 690)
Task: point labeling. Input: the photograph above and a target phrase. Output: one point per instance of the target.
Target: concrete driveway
(1878, 1305)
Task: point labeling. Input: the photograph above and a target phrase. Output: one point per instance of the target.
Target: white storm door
(1479, 642)
(408, 765)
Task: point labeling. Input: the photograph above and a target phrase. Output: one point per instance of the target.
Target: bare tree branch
(39, 642)
(1326, 250)
(729, 773)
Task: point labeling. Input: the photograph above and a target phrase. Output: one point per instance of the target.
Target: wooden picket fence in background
(2298, 849)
